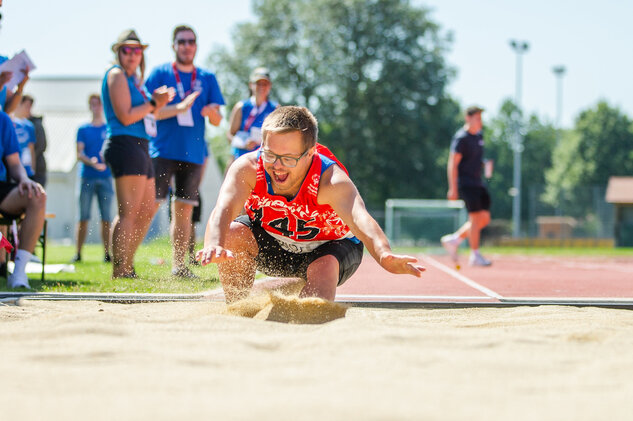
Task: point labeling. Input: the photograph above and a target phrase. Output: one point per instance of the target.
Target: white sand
(187, 360)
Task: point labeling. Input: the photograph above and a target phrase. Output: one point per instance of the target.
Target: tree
(539, 140)
(600, 146)
(373, 73)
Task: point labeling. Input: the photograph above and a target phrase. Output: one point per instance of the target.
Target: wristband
(153, 103)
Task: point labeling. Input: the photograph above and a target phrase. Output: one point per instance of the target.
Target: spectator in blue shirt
(26, 139)
(178, 150)
(21, 196)
(96, 179)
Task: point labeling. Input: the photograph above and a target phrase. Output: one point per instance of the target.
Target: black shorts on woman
(128, 155)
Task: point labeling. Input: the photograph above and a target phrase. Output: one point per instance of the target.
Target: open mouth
(280, 177)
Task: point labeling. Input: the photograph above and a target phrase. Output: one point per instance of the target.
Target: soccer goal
(421, 222)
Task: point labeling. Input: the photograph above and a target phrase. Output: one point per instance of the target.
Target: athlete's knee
(240, 238)
(324, 266)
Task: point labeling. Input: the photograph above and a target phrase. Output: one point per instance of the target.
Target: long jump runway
(510, 281)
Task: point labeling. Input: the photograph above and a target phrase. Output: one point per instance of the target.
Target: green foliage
(601, 146)
(539, 140)
(374, 74)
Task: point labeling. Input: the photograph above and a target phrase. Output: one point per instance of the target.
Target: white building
(63, 101)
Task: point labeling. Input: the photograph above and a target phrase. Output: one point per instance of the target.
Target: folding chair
(7, 220)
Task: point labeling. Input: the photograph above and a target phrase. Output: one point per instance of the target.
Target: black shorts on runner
(187, 177)
(128, 155)
(273, 260)
(476, 198)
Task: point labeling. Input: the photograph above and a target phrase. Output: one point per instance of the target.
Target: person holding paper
(178, 150)
(248, 115)
(130, 118)
(19, 195)
(12, 83)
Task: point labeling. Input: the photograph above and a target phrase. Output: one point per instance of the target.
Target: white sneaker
(451, 245)
(18, 281)
(478, 260)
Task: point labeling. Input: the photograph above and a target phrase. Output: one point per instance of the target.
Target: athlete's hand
(163, 95)
(214, 254)
(452, 194)
(186, 103)
(400, 264)
(212, 112)
(5, 77)
(30, 188)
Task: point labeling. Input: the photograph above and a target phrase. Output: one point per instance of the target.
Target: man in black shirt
(465, 164)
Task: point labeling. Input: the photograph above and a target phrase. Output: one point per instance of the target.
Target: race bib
(150, 125)
(185, 119)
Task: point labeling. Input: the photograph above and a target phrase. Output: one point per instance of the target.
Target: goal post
(421, 222)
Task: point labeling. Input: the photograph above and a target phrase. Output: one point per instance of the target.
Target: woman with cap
(248, 115)
(129, 110)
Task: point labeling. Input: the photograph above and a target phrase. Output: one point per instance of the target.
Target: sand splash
(274, 306)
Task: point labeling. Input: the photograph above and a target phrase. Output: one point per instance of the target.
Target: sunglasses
(131, 50)
(186, 41)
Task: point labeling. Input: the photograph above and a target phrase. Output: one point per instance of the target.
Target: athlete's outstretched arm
(237, 186)
(338, 190)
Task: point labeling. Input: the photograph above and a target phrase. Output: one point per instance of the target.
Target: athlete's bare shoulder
(244, 168)
(334, 182)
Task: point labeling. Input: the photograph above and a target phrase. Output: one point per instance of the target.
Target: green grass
(93, 275)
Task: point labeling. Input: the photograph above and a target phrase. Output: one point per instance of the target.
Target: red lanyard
(179, 86)
(140, 88)
(255, 111)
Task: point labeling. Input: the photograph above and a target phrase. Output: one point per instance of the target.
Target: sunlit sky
(591, 39)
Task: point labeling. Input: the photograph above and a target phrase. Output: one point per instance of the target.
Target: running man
(465, 164)
(304, 216)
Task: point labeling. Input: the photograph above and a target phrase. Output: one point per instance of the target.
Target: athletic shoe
(16, 280)
(451, 245)
(107, 258)
(76, 258)
(35, 259)
(184, 273)
(478, 260)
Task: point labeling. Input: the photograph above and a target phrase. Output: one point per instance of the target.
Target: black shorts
(476, 198)
(128, 155)
(195, 215)
(187, 177)
(273, 260)
(5, 189)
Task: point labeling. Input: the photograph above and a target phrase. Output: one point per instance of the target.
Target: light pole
(519, 47)
(559, 71)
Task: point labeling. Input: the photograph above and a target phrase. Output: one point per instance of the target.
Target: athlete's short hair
(181, 28)
(292, 118)
(94, 96)
(26, 98)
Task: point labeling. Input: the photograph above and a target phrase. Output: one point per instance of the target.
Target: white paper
(150, 125)
(185, 119)
(256, 135)
(18, 64)
(239, 139)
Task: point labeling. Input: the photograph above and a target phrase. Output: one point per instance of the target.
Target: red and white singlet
(301, 224)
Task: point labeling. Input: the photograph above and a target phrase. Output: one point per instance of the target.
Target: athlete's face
(261, 89)
(285, 180)
(474, 122)
(185, 47)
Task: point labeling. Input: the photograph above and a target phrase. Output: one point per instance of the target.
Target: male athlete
(304, 217)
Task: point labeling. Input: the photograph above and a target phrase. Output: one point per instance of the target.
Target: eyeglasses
(131, 50)
(286, 161)
(190, 41)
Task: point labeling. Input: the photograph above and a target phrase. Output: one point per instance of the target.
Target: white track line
(490, 293)
(388, 298)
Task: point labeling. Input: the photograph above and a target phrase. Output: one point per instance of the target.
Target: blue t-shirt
(177, 142)
(25, 131)
(3, 91)
(247, 108)
(115, 127)
(8, 142)
(92, 137)
(471, 147)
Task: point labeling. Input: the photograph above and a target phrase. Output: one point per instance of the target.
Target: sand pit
(191, 360)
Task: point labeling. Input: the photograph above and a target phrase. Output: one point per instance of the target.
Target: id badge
(150, 125)
(185, 118)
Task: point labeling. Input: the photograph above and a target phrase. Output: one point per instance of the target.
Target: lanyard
(179, 86)
(140, 88)
(255, 111)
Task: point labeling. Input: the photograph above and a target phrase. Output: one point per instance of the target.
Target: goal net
(421, 222)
